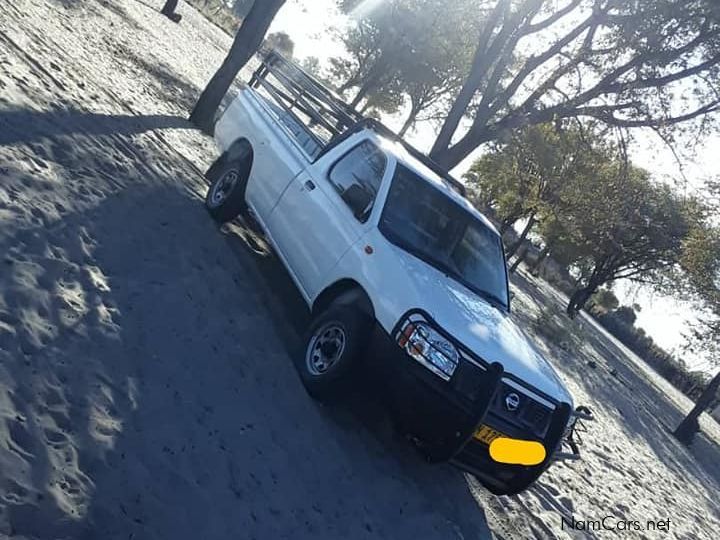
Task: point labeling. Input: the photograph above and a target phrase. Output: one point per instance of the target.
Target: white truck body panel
(490, 333)
(321, 242)
(277, 160)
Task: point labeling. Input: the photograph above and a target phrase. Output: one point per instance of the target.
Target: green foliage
(523, 175)
(411, 53)
(617, 223)
(699, 278)
(598, 214)
(645, 63)
(608, 220)
(281, 42)
(604, 300)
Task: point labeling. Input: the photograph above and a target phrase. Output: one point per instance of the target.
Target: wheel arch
(240, 150)
(344, 291)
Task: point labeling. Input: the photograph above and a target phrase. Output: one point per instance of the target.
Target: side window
(356, 177)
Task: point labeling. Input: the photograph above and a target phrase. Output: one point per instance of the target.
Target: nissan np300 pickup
(402, 274)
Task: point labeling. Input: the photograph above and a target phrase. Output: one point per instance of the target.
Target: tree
(372, 44)
(247, 41)
(615, 61)
(606, 300)
(281, 42)
(242, 8)
(555, 232)
(701, 269)
(601, 217)
(626, 315)
(440, 55)
(686, 430)
(405, 52)
(521, 177)
(624, 227)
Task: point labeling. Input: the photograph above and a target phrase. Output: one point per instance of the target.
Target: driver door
(325, 210)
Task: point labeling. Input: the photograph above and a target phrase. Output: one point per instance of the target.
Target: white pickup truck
(402, 274)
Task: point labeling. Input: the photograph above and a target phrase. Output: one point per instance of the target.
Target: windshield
(431, 226)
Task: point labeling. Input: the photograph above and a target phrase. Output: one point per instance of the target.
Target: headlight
(430, 348)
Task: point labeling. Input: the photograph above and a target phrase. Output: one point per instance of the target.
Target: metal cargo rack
(326, 119)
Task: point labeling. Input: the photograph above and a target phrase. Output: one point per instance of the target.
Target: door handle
(309, 185)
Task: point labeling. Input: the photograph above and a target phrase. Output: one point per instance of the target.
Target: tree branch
(661, 81)
(552, 19)
(711, 107)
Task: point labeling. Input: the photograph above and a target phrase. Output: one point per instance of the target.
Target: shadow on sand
(150, 391)
(23, 126)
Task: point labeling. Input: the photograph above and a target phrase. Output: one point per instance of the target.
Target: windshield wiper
(487, 295)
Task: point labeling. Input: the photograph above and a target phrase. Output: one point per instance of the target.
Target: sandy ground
(146, 389)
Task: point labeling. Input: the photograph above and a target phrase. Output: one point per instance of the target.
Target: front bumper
(443, 416)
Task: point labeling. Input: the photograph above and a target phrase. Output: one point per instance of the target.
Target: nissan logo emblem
(512, 401)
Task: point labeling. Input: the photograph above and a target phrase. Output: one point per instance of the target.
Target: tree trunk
(365, 88)
(520, 258)
(528, 226)
(169, 7)
(451, 157)
(481, 62)
(459, 107)
(355, 78)
(409, 122)
(506, 223)
(578, 300)
(247, 41)
(534, 267)
(687, 429)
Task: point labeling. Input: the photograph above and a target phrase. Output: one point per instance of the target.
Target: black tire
(331, 383)
(225, 198)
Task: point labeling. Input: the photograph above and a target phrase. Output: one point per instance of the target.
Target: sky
(310, 23)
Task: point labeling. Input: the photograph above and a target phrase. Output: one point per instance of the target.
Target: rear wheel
(332, 350)
(226, 196)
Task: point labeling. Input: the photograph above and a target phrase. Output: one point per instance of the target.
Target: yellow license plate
(487, 434)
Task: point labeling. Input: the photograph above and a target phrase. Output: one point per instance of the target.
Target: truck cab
(404, 277)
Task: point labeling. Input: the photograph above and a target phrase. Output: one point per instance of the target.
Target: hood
(487, 331)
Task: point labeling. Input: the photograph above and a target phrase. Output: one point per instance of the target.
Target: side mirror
(358, 199)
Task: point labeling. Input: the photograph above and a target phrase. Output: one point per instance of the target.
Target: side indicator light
(517, 452)
(405, 336)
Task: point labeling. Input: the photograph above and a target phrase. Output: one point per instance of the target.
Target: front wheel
(226, 197)
(332, 350)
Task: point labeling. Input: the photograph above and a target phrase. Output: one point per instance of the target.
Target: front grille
(535, 414)
(529, 416)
